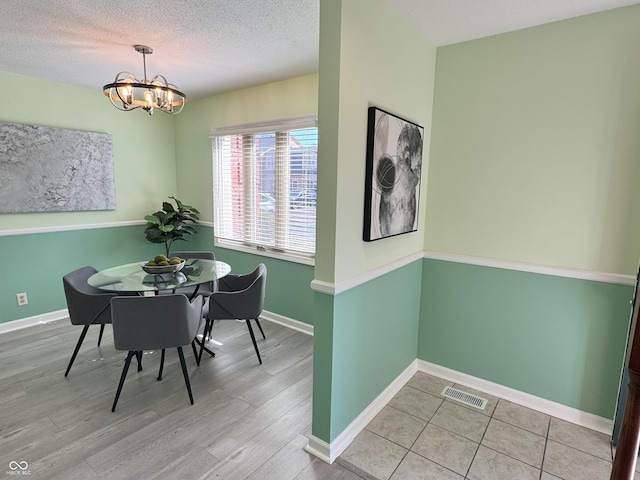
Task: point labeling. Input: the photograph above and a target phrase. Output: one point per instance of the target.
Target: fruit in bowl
(162, 264)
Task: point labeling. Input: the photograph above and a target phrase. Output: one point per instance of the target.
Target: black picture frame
(393, 175)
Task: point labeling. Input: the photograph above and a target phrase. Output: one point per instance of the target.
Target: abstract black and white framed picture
(392, 178)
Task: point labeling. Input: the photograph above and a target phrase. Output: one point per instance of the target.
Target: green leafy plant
(171, 224)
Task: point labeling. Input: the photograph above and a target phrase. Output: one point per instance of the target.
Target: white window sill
(289, 257)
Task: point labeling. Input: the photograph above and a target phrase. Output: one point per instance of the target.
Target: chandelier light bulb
(148, 98)
(125, 93)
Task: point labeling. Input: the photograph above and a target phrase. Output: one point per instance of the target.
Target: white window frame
(291, 123)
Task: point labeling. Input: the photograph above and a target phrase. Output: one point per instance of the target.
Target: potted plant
(171, 223)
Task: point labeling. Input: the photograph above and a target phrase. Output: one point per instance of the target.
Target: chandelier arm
(126, 73)
(170, 86)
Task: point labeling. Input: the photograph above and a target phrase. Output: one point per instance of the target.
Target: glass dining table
(131, 278)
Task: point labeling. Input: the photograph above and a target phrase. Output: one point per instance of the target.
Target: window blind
(265, 182)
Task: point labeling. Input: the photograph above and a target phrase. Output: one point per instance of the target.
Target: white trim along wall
(335, 289)
(84, 226)
(64, 315)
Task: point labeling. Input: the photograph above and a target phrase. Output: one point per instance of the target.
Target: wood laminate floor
(249, 421)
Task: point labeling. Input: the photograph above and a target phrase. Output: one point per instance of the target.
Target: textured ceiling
(451, 21)
(212, 46)
(202, 46)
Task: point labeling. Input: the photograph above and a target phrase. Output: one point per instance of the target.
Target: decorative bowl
(158, 270)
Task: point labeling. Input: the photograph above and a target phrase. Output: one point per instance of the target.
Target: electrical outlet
(22, 299)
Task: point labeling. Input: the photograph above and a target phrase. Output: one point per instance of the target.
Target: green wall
(289, 98)
(38, 262)
(288, 284)
(359, 355)
(534, 160)
(535, 145)
(561, 339)
(374, 340)
(143, 147)
(365, 336)
(144, 164)
(359, 67)
(147, 172)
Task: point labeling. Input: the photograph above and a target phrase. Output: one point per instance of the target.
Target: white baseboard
(64, 314)
(573, 415)
(319, 448)
(329, 452)
(35, 320)
(287, 322)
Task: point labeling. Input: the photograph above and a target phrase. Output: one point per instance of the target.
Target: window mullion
(282, 189)
(249, 187)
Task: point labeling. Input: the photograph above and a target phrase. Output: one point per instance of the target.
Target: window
(265, 180)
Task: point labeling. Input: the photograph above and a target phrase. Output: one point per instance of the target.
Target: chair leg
(260, 327)
(161, 365)
(195, 352)
(101, 332)
(139, 358)
(185, 374)
(253, 339)
(209, 337)
(206, 333)
(75, 351)
(125, 369)
(203, 340)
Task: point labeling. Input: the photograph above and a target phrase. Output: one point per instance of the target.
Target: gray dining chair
(154, 323)
(204, 289)
(238, 297)
(87, 305)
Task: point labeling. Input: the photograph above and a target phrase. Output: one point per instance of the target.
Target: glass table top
(131, 277)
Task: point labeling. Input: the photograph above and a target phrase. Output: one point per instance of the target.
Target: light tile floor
(420, 434)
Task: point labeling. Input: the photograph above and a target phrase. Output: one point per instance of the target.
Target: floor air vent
(464, 397)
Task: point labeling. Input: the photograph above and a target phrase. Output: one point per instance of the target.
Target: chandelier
(128, 93)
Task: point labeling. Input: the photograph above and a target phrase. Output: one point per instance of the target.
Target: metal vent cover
(464, 397)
